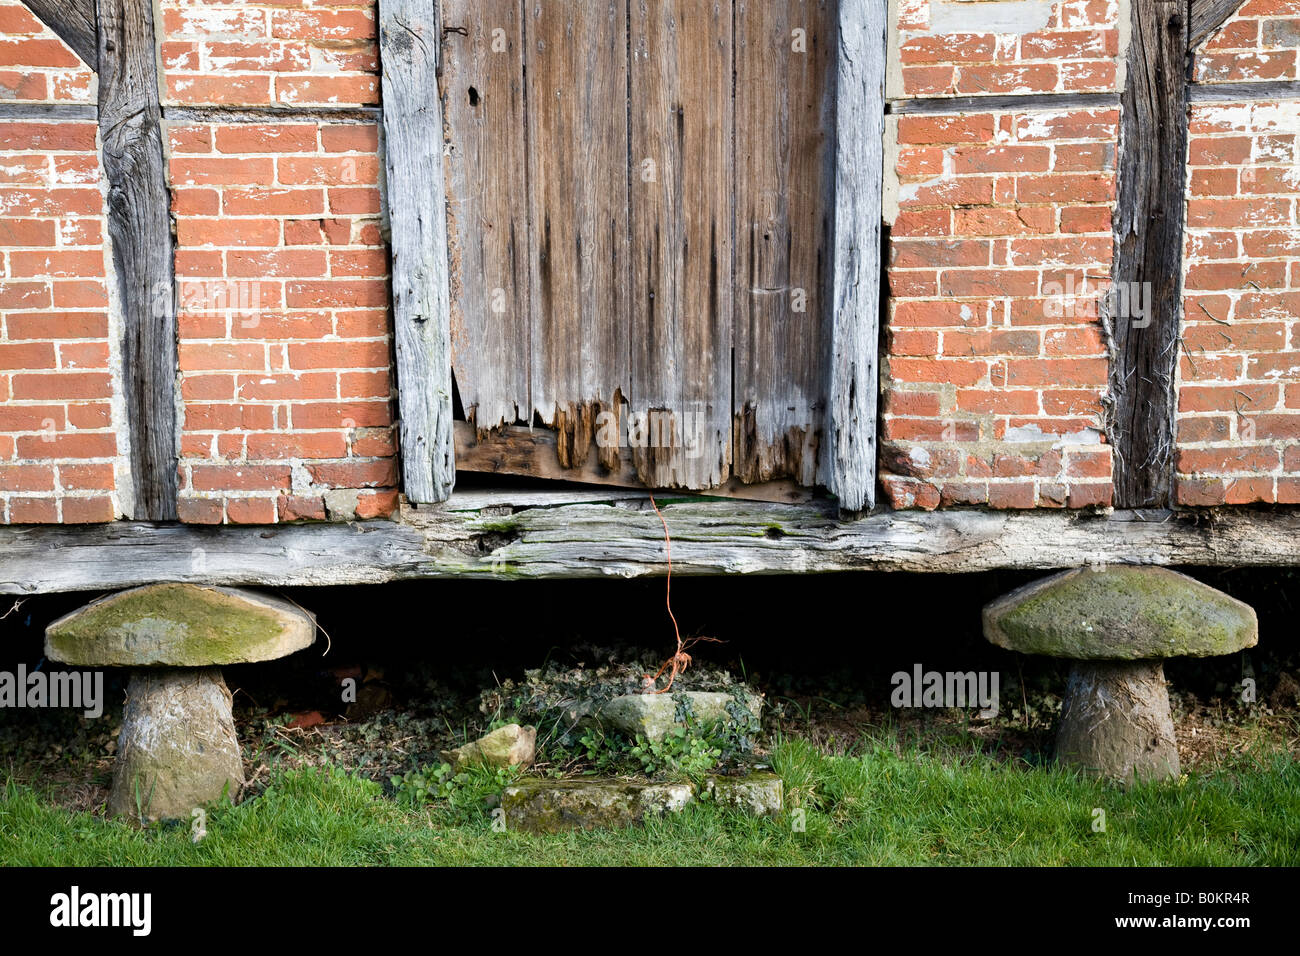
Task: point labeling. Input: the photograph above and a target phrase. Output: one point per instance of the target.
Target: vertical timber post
(859, 173)
(410, 38)
(1149, 217)
(139, 223)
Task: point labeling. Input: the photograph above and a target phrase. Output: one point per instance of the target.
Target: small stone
(508, 746)
(653, 715)
(179, 625)
(1115, 722)
(758, 794)
(178, 749)
(1121, 612)
(554, 806)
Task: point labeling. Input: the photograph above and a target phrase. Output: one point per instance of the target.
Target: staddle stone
(179, 625)
(1115, 721)
(178, 749)
(1120, 612)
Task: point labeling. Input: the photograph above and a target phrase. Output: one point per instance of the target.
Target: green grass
(875, 807)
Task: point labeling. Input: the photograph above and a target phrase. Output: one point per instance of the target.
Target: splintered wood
(640, 232)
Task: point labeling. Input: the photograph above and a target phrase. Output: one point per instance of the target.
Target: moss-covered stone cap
(1120, 613)
(179, 625)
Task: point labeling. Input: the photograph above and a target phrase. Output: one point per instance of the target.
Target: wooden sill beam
(542, 536)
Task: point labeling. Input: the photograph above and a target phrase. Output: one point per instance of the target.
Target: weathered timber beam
(624, 539)
(1238, 92)
(1207, 16)
(48, 111)
(1007, 101)
(275, 113)
(855, 289)
(1148, 226)
(409, 41)
(139, 223)
(74, 23)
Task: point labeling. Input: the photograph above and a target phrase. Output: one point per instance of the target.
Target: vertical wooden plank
(1149, 214)
(859, 172)
(681, 192)
(139, 224)
(487, 210)
(785, 177)
(409, 35)
(576, 63)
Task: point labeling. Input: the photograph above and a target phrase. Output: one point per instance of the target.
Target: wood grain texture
(859, 171)
(785, 177)
(139, 224)
(1207, 16)
(74, 23)
(1006, 101)
(487, 208)
(576, 62)
(547, 537)
(1148, 224)
(409, 40)
(49, 111)
(680, 95)
(531, 452)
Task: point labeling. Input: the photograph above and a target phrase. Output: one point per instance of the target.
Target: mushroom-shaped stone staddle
(1118, 624)
(178, 749)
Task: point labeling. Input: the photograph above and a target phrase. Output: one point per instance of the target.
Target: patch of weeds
(464, 796)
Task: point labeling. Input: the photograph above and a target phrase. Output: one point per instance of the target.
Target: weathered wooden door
(640, 231)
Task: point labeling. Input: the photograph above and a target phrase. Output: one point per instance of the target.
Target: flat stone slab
(179, 625)
(653, 715)
(1120, 612)
(556, 806)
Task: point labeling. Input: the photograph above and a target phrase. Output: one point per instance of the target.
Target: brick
(240, 477)
(267, 138)
(355, 474)
(33, 511)
(301, 508)
(67, 445)
(251, 510)
(90, 510)
(1008, 495)
(199, 510)
(259, 201)
(311, 445)
(920, 130)
(377, 504)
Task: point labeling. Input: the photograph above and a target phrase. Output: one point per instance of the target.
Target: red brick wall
(1257, 43)
(980, 47)
(35, 65)
(995, 366)
(284, 324)
(59, 451)
(285, 336)
(1238, 426)
(279, 52)
(1239, 374)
